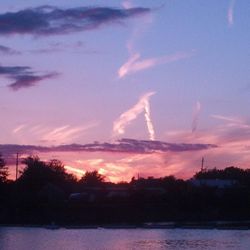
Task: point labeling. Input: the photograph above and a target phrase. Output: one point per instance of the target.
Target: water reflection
(121, 239)
(184, 244)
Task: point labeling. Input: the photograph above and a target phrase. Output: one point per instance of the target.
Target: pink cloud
(47, 135)
(136, 64)
(181, 157)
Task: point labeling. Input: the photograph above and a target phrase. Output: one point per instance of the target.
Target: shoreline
(219, 225)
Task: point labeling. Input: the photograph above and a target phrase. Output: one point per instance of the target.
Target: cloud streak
(50, 20)
(196, 114)
(18, 129)
(224, 145)
(136, 64)
(53, 136)
(121, 146)
(23, 76)
(230, 13)
(227, 118)
(66, 133)
(149, 121)
(127, 117)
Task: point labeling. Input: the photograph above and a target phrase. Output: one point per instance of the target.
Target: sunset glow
(126, 88)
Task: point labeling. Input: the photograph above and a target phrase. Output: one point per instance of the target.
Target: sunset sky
(173, 76)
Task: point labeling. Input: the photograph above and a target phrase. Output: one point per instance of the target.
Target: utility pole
(202, 164)
(17, 161)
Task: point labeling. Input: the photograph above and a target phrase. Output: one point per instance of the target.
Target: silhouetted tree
(92, 178)
(45, 192)
(232, 173)
(38, 173)
(3, 170)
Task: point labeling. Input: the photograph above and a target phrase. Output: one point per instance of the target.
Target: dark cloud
(144, 146)
(76, 47)
(26, 81)
(8, 51)
(121, 146)
(24, 77)
(46, 20)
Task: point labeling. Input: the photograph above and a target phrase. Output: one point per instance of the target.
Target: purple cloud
(48, 20)
(121, 146)
(4, 50)
(23, 76)
(26, 81)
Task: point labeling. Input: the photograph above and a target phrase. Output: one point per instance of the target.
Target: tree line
(46, 193)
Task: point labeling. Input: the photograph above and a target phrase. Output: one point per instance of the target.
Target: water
(121, 239)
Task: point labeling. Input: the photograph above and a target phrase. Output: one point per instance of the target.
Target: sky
(126, 87)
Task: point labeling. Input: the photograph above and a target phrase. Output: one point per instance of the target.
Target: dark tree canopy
(38, 173)
(3, 170)
(92, 178)
(46, 193)
(232, 173)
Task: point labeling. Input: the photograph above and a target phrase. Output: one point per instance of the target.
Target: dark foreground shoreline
(46, 196)
(220, 225)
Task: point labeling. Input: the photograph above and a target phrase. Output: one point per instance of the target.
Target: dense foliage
(3, 170)
(46, 193)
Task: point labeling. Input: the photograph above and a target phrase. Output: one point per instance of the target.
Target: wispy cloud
(127, 117)
(138, 29)
(4, 50)
(230, 13)
(196, 114)
(149, 122)
(18, 128)
(234, 130)
(127, 4)
(64, 134)
(50, 20)
(47, 135)
(228, 118)
(233, 144)
(135, 63)
(77, 171)
(224, 145)
(23, 76)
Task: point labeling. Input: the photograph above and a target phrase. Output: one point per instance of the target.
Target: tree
(92, 178)
(38, 173)
(232, 173)
(3, 170)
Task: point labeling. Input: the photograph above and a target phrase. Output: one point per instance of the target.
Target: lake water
(120, 239)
